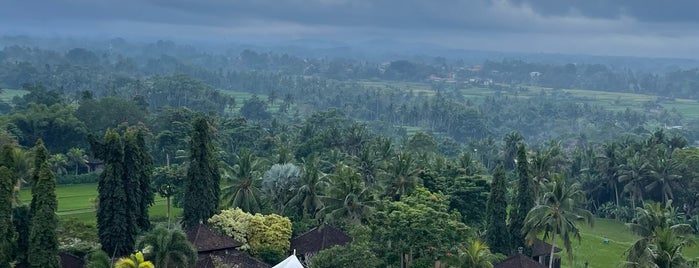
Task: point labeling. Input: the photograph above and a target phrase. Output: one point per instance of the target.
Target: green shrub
(92, 177)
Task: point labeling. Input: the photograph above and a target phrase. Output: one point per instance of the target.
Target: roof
(232, 257)
(319, 238)
(67, 261)
(519, 261)
(541, 248)
(290, 262)
(206, 239)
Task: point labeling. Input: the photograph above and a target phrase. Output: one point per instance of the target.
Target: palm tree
(664, 178)
(347, 198)
(308, 192)
(58, 163)
(168, 248)
(662, 239)
(401, 176)
(77, 157)
(609, 163)
(558, 214)
(476, 255)
(243, 183)
(632, 175)
(134, 261)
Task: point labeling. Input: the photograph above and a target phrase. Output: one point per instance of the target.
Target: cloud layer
(624, 27)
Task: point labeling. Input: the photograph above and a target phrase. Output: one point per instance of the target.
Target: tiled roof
(541, 248)
(319, 238)
(206, 239)
(519, 261)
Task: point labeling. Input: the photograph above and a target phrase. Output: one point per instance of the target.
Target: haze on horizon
(642, 28)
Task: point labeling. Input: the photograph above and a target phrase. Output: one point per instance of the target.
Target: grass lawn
(598, 254)
(75, 201)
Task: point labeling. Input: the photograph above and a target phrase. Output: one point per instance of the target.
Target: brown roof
(230, 257)
(319, 238)
(206, 239)
(541, 248)
(67, 261)
(519, 261)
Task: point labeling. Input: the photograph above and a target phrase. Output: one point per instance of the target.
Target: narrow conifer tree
(116, 223)
(144, 181)
(525, 200)
(496, 213)
(41, 155)
(202, 190)
(8, 235)
(43, 244)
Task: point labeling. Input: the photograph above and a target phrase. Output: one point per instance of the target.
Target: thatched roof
(206, 239)
(519, 261)
(67, 261)
(541, 248)
(232, 257)
(319, 238)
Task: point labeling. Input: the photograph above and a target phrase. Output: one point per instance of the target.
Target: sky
(644, 28)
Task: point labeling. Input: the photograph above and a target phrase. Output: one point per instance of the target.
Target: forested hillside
(424, 163)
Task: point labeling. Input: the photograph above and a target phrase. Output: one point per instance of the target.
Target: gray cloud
(633, 27)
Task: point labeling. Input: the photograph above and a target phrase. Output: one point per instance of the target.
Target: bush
(92, 177)
(270, 254)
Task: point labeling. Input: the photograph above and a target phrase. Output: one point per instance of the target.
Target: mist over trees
(421, 159)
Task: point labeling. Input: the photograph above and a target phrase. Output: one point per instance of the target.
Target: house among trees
(541, 252)
(317, 239)
(519, 261)
(213, 246)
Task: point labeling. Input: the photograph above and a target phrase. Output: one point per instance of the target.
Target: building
(309, 243)
(214, 246)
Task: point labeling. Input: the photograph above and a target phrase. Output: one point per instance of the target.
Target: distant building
(541, 252)
(317, 239)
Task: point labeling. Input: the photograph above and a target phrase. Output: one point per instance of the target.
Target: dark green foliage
(496, 214)
(468, 196)
(108, 112)
(168, 248)
(255, 109)
(7, 230)
(269, 254)
(138, 168)
(202, 187)
(355, 254)
(524, 199)
(97, 259)
(21, 222)
(43, 243)
(115, 219)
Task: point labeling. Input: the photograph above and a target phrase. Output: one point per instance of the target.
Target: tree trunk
(168, 211)
(616, 194)
(553, 246)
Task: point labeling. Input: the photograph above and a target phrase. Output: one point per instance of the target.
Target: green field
(76, 202)
(598, 254)
(615, 101)
(8, 94)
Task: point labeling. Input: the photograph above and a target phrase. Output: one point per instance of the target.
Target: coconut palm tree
(558, 214)
(662, 239)
(476, 255)
(632, 175)
(243, 183)
(401, 176)
(664, 178)
(310, 186)
(77, 157)
(168, 248)
(347, 198)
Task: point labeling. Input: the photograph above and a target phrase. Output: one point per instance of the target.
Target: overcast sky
(648, 28)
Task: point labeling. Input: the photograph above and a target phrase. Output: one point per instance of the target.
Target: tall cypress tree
(525, 200)
(116, 223)
(138, 167)
(43, 244)
(202, 190)
(8, 235)
(496, 213)
(41, 155)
